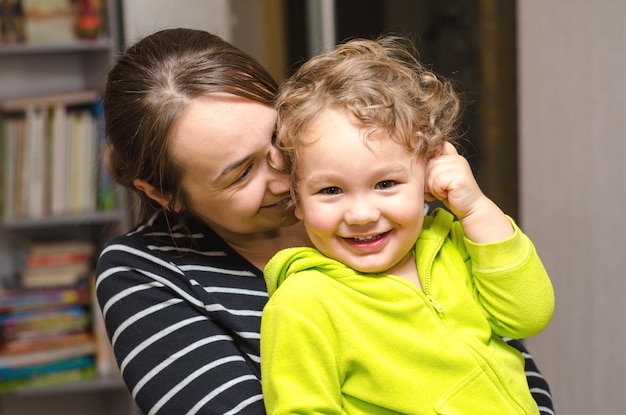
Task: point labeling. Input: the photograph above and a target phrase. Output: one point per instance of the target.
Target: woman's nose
(278, 182)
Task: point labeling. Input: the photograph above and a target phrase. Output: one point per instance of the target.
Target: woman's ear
(298, 212)
(152, 192)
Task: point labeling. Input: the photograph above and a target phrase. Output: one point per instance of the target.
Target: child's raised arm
(449, 178)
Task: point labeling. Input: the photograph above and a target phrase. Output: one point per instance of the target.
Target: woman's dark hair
(152, 83)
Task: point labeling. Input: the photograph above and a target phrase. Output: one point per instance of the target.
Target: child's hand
(449, 178)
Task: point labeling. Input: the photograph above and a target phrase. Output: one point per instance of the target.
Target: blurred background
(544, 89)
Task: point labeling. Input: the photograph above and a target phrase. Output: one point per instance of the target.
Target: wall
(256, 26)
(142, 17)
(258, 30)
(572, 84)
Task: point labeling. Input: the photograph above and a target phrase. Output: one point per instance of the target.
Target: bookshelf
(39, 77)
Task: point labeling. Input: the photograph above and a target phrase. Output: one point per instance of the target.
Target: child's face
(361, 204)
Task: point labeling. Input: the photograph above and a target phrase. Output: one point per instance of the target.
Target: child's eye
(385, 184)
(333, 190)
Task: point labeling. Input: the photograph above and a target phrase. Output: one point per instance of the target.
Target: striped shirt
(183, 313)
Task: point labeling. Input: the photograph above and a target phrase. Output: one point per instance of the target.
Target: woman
(190, 124)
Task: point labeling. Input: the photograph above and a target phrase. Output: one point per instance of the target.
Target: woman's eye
(333, 190)
(244, 174)
(385, 184)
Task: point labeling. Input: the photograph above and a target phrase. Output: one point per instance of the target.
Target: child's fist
(449, 178)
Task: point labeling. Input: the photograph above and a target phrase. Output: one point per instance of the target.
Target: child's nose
(361, 212)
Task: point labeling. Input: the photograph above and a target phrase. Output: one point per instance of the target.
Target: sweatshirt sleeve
(512, 285)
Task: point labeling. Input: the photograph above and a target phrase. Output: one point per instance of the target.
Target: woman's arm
(182, 343)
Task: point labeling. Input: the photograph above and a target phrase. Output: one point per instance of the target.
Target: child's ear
(153, 193)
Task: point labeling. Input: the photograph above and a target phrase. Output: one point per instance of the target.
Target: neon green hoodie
(334, 341)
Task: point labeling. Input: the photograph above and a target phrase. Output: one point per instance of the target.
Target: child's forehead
(376, 134)
(333, 116)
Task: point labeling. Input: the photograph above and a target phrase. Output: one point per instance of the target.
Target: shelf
(23, 103)
(102, 383)
(80, 219)
(40, 78)
(95, 45)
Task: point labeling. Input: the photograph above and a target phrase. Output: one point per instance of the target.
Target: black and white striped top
(183, 312)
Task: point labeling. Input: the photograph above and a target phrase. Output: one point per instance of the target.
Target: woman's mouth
(280, 204)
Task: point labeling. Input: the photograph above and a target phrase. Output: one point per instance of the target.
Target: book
(28, 254)
(40, 357)
(58, 258)
(75, 175)
(25, 345)
(58, 159)
(49, 377)
(30, 372)
(19, 300)
(11, 164)
(49, 21)
(34, 171)
(40, 326)
(19, 189)
(82, 161)
(54, 276)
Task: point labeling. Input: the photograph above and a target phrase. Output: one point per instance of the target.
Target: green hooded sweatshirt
(334, 341)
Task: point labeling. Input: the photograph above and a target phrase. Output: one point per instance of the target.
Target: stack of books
(53, 264)
(51, 328)
(45, 337)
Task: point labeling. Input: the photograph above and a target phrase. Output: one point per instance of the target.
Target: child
(395, 312)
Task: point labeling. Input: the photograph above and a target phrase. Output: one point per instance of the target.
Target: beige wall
(259, 30)
(572, 74)
(142, 17)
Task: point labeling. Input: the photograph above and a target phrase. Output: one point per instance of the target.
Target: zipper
(438, 307)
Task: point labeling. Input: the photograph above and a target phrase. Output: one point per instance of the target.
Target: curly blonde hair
(382, 84)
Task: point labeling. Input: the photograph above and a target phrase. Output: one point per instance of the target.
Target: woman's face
(223, 142)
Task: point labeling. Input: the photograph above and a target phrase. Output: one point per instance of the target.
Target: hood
(293, 260)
